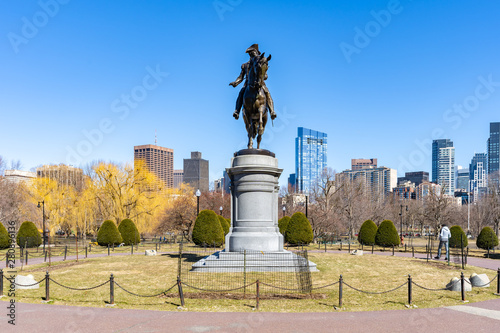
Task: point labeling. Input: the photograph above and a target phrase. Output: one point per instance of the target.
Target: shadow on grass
(188, 257)
(492, 255)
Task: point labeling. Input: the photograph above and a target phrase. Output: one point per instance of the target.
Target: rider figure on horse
(253, 51)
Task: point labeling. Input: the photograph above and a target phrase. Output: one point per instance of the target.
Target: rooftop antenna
(156, 139)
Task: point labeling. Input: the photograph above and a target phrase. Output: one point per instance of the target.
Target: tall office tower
(196, 172)
(361, 163)
(478, 175)
(462, 178)
(493, 167)
(310, 158)
(443, 165)
(158, 160)
(178, 177)
(63, 174)
(377, 182)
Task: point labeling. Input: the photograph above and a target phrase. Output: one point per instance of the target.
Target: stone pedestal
(254, 240)
(254, 202)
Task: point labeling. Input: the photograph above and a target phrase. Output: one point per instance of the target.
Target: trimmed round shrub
(129, 232)
(456, 231)
(367, 232)
(299, 230)
(28, 235)
(108, 234)
(4, 237)
(487, 239)
(224, 224)
(207, 229)
(283, 224)
(387, 235)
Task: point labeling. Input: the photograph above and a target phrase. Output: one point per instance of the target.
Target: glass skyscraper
(493, 150)
(310, 158)
(443, 164)
(477, 175)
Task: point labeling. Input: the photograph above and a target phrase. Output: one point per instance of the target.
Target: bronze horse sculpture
(255, 103)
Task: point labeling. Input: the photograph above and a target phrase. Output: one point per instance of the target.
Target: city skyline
(88, 81)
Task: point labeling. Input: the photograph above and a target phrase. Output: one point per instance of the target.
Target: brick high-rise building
(63, 174)
(159, 161)
(363, 163)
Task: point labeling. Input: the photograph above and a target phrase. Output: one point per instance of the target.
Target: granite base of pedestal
(283, 261)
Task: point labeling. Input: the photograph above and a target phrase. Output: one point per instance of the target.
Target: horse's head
(259, 66)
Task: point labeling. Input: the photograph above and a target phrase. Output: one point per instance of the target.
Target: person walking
(444, 236)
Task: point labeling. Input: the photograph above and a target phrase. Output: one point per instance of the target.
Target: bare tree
(437, 208)
(179, 216)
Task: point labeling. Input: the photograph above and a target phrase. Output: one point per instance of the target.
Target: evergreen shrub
(299, 230)
(207, 229)
(4, 237)
(128, 231)
(454, 241)
(28, 235)
(367, 232)
(387, 235)
(108, 234)
(487, 239)
(283, 224)
(224, 224)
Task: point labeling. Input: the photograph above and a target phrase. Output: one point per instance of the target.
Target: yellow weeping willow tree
(110, 192)
(127, 192)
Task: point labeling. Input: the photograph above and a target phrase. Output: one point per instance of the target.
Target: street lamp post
(307, 199)
(284, 210)
(220, 208)
(198, 193)
(43, 221)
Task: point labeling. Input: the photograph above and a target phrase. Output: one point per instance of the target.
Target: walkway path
(477, 317)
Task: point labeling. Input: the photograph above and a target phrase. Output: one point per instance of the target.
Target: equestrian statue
(254, 97)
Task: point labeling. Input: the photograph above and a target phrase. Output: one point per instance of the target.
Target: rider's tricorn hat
(254, 47)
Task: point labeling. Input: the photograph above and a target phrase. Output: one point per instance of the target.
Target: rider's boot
(270, 105)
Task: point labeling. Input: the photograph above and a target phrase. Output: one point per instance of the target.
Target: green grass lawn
(152, 275)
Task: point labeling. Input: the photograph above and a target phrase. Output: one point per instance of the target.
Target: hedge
(128, 231)
(283, 224)
(454, 241)
(28, 235)
(299, 230)
(4, 237)
(207, 229)
(224, 224)
(108, 234)
(487, 239)
(387, 235)
(367, 232)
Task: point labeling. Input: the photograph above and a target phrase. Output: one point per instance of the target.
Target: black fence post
(462, 285)
(372, 247)
(498, 282)
(392, 249)
(257, 296)
(47, 288)
(131, 248)
(111, 289)
(26, 261)
(181, 294)
(108, 249)
(45, 259)
(85, 252)
(1, 282)
(412, 252)
(341, 282)
(65, 252)
(409, 289)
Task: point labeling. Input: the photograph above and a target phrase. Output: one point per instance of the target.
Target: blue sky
(88, 80)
